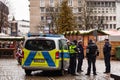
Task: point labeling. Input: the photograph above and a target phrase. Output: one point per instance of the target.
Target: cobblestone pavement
(10, 70)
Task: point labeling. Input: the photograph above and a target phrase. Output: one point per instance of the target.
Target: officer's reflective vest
(72, 49)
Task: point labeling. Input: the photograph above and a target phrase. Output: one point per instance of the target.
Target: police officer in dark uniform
(73, 51)
(106, 52)
(80, 56)
(91, 53)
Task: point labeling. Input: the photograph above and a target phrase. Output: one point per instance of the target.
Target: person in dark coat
(91, 53)
(80, 56)
(106, 52)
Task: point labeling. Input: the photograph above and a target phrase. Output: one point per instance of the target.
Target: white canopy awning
(3, 35)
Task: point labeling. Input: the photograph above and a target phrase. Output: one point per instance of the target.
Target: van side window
(63, 44)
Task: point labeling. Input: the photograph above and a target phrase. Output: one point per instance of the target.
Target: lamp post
(95, 33)
(49, 22)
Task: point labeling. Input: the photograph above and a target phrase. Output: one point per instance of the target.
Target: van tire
(62, 72)
(28, 72)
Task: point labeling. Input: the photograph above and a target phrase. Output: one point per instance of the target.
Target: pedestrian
(80, 56)
(106, 52)
(73, 52)
(91, 54)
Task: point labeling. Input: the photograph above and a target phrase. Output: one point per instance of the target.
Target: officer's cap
(75, 41)
(90, 41)
(106, 39)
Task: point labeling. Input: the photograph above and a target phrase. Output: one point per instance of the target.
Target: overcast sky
(20, 9)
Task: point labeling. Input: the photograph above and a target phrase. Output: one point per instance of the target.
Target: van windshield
(42, 45)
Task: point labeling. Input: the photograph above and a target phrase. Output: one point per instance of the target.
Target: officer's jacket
(92, 50)
(72, 49)
(107, 48)
(80, 51)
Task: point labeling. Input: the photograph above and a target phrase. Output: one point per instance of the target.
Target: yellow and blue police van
(46, 52)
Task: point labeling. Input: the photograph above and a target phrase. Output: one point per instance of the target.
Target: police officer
(91, 53)
(80, 56)
(106, 52)
(73, 51)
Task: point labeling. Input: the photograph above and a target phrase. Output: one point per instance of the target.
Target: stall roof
(113, 32)
(11, 38)
(83, 32)
(3, 35)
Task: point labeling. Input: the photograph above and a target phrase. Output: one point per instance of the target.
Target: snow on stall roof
(113, 32)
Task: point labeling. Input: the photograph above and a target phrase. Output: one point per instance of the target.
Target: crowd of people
(76, 51)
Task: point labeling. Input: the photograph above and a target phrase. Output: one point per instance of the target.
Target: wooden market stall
(8, 46)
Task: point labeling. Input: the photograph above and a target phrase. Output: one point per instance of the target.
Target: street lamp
(49, 22)
(95, 33)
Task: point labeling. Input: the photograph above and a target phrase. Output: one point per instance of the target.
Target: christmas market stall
(8, 46)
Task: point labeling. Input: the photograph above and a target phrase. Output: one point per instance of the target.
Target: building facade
(19, 27)
(4, 11)
(105, 12)
(23, 27)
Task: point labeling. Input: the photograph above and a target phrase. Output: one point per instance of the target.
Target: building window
(79, 9)
(60, 1)
(87, 3)
(106, 4)
(114, 10)
(70, 2)
(51, 1)
(56, 9)
(106, 18)
(95, 11)
(110, 18)
(98, 4)
(114, 26)
(79, 18)
(113, 4)
(42, 18)
(50, 9)
(79, 2)
(114, 18)
(75, 10)
(42, 3)
(106, 26)
(94, 3)
(110, 26)
(95, 17)
(102, 3)
(42, 9)
(99, 18)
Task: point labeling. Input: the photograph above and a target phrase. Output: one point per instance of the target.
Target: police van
(46, 52)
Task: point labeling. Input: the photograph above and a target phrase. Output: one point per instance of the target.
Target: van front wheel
(28, 72)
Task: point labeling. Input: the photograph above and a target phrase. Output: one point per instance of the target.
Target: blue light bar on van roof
(44, 35)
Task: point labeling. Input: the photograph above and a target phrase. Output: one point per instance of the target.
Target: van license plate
(39, 60)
